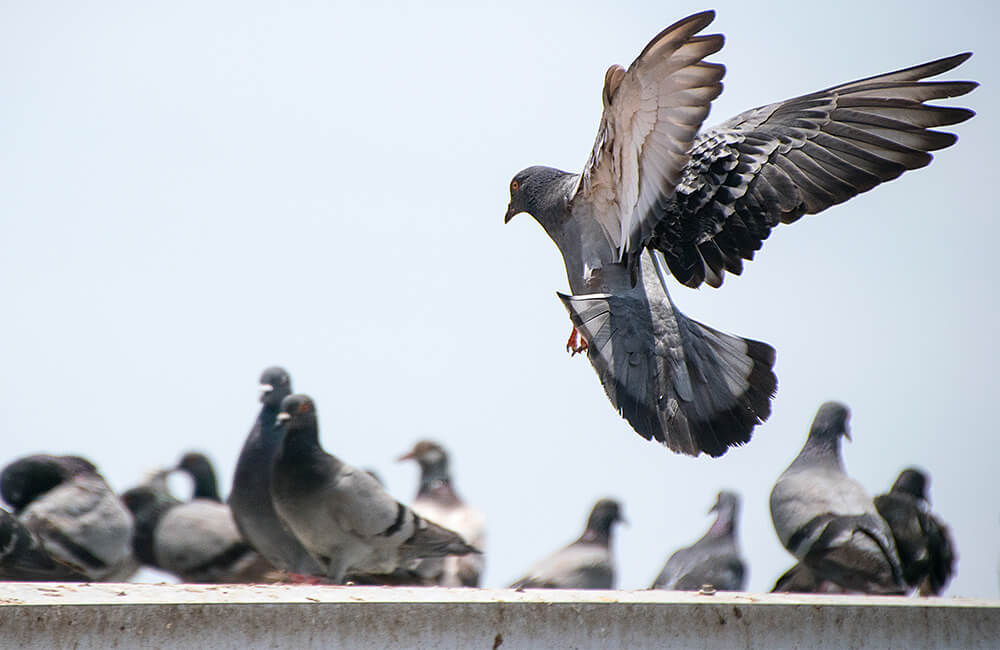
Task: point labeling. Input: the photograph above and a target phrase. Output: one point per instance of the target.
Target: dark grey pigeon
(202, 472)
(195, 540)
(24, 558)
(69, 507)
(342, 515)
(587, 563)
(827, 520)
(438, 501)
(700, 202)
(712, 560)
(923, 541)
(250, 497)
(800, 580)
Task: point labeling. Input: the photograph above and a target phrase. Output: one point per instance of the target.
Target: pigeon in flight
(698, 203)
(69, 507)
(437, 501)
(342, 515)
(924, 543)
(250, 497)
(827, 520)
(712, 560)
(587, 563)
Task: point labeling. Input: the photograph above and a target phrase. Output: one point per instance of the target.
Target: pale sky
(190, 192)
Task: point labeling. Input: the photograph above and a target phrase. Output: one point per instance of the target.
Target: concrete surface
(47, 615)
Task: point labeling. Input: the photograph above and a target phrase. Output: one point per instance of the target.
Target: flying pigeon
(587, 563)
(195, 540)
(827, 520)
(712, 560)
(200, 469)
(250, 497)
(437, 501)
(69, 508)
(24, 558)
(924, 542)
(698, 202)
(346, 520)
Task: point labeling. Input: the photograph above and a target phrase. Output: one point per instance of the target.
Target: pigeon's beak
(282, 418)
(510, 213)
(407, 456)
(265, 388)
(847, 433)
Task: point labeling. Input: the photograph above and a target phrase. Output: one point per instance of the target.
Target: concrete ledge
(46, 615)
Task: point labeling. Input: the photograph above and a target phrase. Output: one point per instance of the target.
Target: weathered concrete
(34, 615)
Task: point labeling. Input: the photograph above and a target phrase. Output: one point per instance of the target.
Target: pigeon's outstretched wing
(652, 112)
(775, 163)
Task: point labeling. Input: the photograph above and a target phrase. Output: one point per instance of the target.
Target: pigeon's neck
(301, 444)
(596, 536)
(820, 451)
(435, 481)
(725, 522)
(266, 420)
(205, 486)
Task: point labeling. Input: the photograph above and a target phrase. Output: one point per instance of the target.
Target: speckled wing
(652, 112)
(775, 163)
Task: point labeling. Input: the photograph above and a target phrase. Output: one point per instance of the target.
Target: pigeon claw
(576, 343)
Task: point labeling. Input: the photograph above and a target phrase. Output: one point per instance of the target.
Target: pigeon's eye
(303, 407)
(514, 185)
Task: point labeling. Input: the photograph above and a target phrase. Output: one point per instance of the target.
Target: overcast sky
(191, 191)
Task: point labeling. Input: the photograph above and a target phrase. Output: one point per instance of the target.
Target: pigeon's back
(802, 493)
(711, 561)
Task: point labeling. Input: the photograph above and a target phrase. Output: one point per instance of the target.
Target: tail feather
(431, 540)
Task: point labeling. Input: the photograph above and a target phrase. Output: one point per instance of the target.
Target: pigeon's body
(700, 202)
(437, 501)
(24, 558)
(926, 551)
(801, 580)
(341, 514)
(70, 508)
(712, 560)
(250, 497)
(827, 519)
(587, 563)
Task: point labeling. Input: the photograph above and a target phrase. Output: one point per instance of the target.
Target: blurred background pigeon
(24, 558)
(199, 468)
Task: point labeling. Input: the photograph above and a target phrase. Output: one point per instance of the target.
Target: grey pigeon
(202, 472)
(346, 520)
(250, 497)
(926, 550)
(700, 202)
(69, 507)
(23, 556)
(827, 520)
(195, 540)
(587, 563)
(437, 501)
(712, 560)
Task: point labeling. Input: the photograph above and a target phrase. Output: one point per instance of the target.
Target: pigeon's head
(295, 409)
(831, 422)
(605, 514)
(427, 453)
(912, 481)
(726, 501)
(275, 385)
(534, 190)
(26, 479)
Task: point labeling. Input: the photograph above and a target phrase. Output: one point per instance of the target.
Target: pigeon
(67, 505)
(800, 580)
(587, 563)
(712, 560)
(195, 540)
(200, 469)
(699, 201)
(827, 520)
(23, 556)
(250, 497)
(345, 519)
(926, 550)
(437, 501)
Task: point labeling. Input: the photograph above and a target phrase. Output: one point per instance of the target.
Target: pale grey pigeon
(587, 563)
(195, 540)
(827, 520)
(23, 556)
(437, 501)
(700, 202)
(926, 550)
(342, 515)
(68, 506)
(714, 559)
(250, 497)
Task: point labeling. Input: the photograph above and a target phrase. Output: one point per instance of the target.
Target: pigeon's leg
(303, 579)
(576, 343)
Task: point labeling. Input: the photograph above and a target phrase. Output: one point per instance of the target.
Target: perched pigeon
(346, 520)
(800, 580)
(924, 543)
(69, 507)
(827, 520)
(196, 540)
(200, 469)
(712, 560)
(437, 501)
(250, 498)
(700, 202)
(587, 563)
(24, 558)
